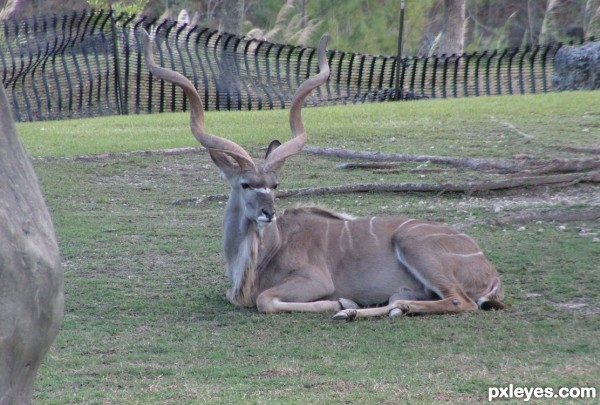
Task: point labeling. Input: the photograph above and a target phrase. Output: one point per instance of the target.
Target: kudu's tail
(493, 298)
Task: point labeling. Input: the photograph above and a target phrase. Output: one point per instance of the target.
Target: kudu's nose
(269, 213)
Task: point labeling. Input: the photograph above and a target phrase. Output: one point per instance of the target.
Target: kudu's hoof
(401, 309)
(395, 313)
(345, 303)
(345, 315)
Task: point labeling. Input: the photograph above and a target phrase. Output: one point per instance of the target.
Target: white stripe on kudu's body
(313, 259)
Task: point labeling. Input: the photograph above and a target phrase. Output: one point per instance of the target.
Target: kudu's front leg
(404, 307)
(302, 294)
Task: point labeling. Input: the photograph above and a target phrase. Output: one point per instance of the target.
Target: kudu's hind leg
(433, 273)
(438, 271)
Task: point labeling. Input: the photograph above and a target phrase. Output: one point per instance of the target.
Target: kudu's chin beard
(261, 224)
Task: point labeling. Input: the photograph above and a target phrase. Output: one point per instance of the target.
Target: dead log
(503, 165)
(469, 187)
(392, 167)
(370, 165)
(564, 166)
(523, 165)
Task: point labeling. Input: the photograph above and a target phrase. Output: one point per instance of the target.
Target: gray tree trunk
(592, 11)
(232, 16)
(551, 27)
(533, 25)
(228, 81)
(31, 278)
(452, 39)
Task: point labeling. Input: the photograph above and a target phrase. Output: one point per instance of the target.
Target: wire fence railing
(89, 63)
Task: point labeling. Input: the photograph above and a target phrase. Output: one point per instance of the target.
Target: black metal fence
(88, 63)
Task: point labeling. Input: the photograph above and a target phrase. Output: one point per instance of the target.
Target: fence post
(544, 60)
(466, 73)
(399, 56)
(278, 75)
(118, 84)
(532, 68)
(455, 75)
(498, 72)
(349, 78)
(509, 69)
(423, 75)
(488, 89)
(434, 74)
(477, 65)
(360, 74)
(521, 77)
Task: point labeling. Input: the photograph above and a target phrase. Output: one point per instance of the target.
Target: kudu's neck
(246, 248)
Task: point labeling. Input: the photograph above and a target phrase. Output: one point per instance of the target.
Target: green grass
(146, 320)
(463, 126)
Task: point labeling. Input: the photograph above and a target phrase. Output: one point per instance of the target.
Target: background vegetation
(146, 319)
(368, 26)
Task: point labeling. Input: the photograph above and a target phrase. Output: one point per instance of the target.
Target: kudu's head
(251, 182)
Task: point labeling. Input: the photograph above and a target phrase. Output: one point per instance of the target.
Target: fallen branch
(527, 165)
(465, 187)
(557, 180)
(370, 165)
(392, 167)
(508, 166)
(565, 166)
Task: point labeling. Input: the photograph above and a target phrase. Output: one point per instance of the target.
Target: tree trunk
(10, 8)
(228, 81)
(232, 16)
(592, 11)
(453, 31)
(31, 278)
(533, 25)
(551, 27)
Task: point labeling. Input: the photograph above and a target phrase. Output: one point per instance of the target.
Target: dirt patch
(580, 306)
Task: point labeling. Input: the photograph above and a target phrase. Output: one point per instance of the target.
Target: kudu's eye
(245, 186)
(275, 186)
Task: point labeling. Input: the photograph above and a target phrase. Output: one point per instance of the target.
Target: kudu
(312, 259)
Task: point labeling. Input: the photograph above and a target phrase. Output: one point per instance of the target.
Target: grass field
(146, 320)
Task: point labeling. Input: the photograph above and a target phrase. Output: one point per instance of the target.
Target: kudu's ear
(227, 166)
(272, 146)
